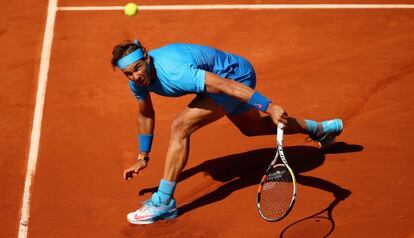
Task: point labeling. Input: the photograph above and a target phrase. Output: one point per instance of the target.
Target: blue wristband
(145, 142)
(259, 101)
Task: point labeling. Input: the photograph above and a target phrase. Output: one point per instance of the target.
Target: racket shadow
(237, 171)
(320, 224)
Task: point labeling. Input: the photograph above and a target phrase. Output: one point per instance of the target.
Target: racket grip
(279, 136)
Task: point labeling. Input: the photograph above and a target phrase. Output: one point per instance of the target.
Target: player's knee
(179, 128)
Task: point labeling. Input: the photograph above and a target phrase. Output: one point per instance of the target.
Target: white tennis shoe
(153, 210)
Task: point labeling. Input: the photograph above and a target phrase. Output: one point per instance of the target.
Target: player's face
(138, 72)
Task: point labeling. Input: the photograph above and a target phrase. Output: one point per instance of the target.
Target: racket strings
(276, 194)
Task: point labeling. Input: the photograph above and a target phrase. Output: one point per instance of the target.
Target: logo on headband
(130, 58)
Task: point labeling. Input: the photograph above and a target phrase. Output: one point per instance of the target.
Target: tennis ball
(130, 9)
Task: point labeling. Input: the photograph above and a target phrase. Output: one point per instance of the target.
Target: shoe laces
(154, 201)
(319, 132)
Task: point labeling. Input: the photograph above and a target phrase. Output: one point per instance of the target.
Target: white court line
(242, 7)
(37, 119)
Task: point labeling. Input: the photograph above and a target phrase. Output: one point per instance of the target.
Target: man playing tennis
(224, 85)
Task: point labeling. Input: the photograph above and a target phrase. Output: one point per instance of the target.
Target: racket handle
(279, 136)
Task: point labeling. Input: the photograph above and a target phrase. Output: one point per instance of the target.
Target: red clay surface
(21, 33)
(353, 64)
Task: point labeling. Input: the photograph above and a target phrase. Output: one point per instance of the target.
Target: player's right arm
(146, 119)
(216, 84)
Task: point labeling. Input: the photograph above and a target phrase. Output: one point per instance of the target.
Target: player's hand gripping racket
(277, 190)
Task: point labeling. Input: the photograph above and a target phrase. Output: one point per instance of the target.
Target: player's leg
(252, 123)
(200, 112)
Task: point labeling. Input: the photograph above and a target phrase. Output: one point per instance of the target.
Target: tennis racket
(277, 189)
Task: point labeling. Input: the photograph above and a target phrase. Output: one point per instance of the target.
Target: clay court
(356, 64)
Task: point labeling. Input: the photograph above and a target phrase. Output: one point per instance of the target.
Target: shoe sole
(150, 221)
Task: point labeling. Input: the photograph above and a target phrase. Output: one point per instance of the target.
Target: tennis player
(223, 85)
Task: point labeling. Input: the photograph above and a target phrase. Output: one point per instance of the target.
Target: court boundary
(240, 7)
(37, 117)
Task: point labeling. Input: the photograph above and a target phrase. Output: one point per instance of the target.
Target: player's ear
(147, 58)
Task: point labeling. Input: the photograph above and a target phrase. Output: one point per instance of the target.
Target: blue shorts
(231, 105)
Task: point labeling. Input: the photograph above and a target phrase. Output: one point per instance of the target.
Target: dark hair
(123, 49)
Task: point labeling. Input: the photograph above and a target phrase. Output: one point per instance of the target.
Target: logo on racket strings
(277, 177)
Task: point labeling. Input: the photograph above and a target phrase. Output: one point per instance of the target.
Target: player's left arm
(215, 84)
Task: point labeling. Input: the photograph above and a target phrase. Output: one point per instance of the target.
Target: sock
(314, 129)
(166, 190)
(311, 127)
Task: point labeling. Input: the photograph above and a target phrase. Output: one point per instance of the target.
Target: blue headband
(130, 58)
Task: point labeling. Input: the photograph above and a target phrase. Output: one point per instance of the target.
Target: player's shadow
(238, 171)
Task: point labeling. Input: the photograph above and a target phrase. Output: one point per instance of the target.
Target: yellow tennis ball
(130, 9)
